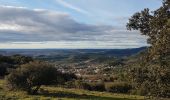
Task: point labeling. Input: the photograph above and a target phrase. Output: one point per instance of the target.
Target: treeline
(114, 87)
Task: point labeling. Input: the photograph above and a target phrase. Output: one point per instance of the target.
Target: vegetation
(12, 62)
(114, 87)
(118, 87)
(147, 73)
(56, 93)
(153, 73)
(30, 77)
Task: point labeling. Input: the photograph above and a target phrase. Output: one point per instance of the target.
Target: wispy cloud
(70, 6)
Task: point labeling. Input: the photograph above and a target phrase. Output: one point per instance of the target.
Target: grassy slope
(55, 93)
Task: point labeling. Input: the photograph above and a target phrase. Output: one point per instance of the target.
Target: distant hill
(71, 52)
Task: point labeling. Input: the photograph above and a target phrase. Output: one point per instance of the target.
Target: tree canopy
(154, 71)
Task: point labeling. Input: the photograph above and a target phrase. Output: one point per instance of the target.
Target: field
(55, 93)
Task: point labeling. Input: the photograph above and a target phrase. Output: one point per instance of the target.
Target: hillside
(68, 52)
(84, 62)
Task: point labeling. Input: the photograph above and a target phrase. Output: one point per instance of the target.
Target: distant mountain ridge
(68, 52)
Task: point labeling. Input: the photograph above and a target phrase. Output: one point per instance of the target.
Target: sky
(72, 24)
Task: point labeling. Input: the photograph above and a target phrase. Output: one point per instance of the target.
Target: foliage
(115, 87)
(56, 93)
(118, 87)
(82, 85)
(68, 76)
(3, 69)
(95, 86)
(31, 76)
(153, 72)
(99, 86)
(12, 62)
(18, 59)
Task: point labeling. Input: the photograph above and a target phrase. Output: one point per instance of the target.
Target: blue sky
(70, 23)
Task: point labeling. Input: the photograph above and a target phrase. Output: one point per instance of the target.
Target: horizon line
(66, 48)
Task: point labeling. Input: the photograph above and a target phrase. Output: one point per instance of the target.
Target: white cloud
(40, 28)
(11, 27)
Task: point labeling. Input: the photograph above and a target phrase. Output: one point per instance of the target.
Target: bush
(18, 59)
(118, 87)
(68, 76)
(12, 62)
(97, 87)
(3, 70)
(89, 86)
(29, 77)
(82, 85)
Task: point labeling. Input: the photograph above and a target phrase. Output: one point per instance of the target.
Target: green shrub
(82, 85)
(89, 86)
(97, 87)
(29, 77)
(118, 87)
(3, 69)
(12, 62)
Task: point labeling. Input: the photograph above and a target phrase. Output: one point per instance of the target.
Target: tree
(12, 62)
(18, 59)
(4, 69)
(154, 71)
(29, 77)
